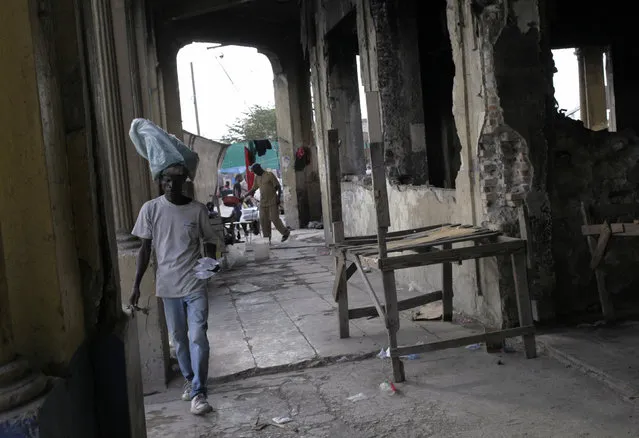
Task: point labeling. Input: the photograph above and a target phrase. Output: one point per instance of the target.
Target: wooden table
(443, 244)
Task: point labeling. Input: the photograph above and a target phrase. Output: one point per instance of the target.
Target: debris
(508, 349)
(282, 420)
(342, 359)
(429, 312)
(313, 225)
(410, 357)
(499, 362)
(366, 269)
(388, 388)
(383, 354)
(357, 397)
(473, 347)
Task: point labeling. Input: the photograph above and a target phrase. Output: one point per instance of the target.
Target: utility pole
(197, 116)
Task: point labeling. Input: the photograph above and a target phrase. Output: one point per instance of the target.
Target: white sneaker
(199, 405)
(186, 395)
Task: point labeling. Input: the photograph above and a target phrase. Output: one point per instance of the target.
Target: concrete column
(345, 108)
(592, 85)
(167, 56)
(18, 384)
(130, 80)
(293, 131)
(109, 113)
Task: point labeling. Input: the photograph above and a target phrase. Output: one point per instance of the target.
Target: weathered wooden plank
(371, 292)
(352, 268)
(339, 269)
(604, 297)
(602, 244)
(410, 303)
(450, 255)
(615, 228)
(414, 244)
(524, 307)
(489, 337)
(334, 176)
(447, 287)
(525, 232)
(396, 235)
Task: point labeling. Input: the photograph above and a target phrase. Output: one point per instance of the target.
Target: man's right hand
(135, 296)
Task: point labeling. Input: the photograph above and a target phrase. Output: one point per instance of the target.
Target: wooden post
(447, 288)
(524, 307)
(334, 184)
(604, 297)
(388, 277)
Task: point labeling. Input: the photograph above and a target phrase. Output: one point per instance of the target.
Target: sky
(566, 80)
(231, 79)
(228, 80)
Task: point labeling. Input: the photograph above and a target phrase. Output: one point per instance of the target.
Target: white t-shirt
(176, 231)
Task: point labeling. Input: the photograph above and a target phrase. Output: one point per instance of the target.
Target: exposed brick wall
(512, 147)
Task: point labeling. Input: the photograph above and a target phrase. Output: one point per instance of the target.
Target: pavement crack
(315, 353)
(245, 336)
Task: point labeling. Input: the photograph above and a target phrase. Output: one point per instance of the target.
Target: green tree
(255, 124)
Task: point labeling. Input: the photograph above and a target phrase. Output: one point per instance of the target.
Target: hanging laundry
(249, 160)
(261, 146)
(302, 158)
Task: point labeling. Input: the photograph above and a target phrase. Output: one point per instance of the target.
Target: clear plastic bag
(160, 149)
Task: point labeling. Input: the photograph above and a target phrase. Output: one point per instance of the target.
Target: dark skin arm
(144, 257)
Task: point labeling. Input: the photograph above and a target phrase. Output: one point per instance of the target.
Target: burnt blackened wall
(399, 79)
(595, 168)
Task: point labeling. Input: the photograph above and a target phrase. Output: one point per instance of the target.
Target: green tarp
(234, 157)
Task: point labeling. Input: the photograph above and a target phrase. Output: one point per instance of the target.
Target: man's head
(227, 184)
(257, 169)
(239, 178)
(172, 181)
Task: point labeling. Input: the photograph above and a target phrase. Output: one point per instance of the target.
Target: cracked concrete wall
(499, 104)
(500, 107)
(411, 207)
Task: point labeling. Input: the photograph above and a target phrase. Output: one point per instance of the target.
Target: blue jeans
(187, 322)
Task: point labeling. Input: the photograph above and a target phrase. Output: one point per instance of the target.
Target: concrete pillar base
(22, 422)
(19, 385)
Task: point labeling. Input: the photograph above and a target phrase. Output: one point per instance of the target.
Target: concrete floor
(280, 314)
(279, 317)
(453, 393)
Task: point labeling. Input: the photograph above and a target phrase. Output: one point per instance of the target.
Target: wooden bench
(600, 224)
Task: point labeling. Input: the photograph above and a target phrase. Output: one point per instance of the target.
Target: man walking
(174, 225)
(270, 200)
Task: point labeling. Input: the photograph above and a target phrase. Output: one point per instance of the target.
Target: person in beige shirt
(270, 200)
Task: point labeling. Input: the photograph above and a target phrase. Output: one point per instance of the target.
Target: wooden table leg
(524, 306)
(392, 315)
(447, 288)
(340, 294)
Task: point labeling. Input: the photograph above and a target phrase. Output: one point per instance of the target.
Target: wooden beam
(524, 307)
(526, 233)
(339, 269)
(399, 234)
(489, 337)
(352, 268)
(371, 292)
(607, 309)
(410, 303)
(602, 244)
(447, 287)
(626, 229)
(450, 255)
(479, 235)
